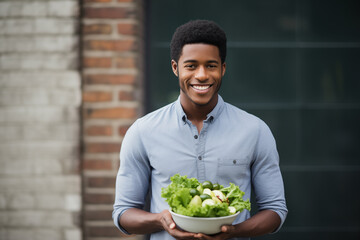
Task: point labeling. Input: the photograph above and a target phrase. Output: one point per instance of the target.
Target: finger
(224, 229)
(178, 234)
(205, 237)
(167, 220)
(200, 236)
(227, 228)
(172, 225)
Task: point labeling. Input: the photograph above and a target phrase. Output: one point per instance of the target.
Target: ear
(174, 67)
(223, 69)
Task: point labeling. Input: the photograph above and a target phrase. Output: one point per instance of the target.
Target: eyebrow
(192, 61)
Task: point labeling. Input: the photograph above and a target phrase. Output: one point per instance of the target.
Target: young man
(201, 136)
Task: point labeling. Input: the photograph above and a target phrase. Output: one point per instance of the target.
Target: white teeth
(201, 87)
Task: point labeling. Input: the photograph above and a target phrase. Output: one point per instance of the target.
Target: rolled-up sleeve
(132, 181)
(266, 176)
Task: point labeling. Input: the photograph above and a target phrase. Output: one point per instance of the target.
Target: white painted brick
(28, 61)
(31, 234)
(33, 9)
(2, 26)
(65, 98)
(2, 115)
(12, 167)
(69, 80)
(47, 167)
(59, 201)
(21, 9)
(73, 202)
(62, 43)
(38, 26)
(28, 218)
(57, 43)
(73, 234)
(50, 201)
(64, 79)
(39, 96)
(8, 62)
(19, 233)
(55, 25)
(8, 9)
(21, 201)
(63, 8)
(29, 167)
(16, 44)
(3, 202)
(10, 133)
(47, 234)
(3, 218)
(69, 131)
(31, 96)
(72, 115)
(5, 8)
(39, 114)
(6, 98)
(39, 150)
(54, 184)
(17, 26)
(3, 232)
(23, 96)
(70, 164)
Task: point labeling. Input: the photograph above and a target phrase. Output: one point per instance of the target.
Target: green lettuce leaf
(177, 195)
(234, 196)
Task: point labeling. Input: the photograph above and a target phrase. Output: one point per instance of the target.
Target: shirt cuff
(116, 219)
(282, 215)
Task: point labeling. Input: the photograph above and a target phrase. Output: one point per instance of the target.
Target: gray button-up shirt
(233, 146)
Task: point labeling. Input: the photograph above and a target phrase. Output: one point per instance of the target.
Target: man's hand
(227, 231)
(263, 222)
(170, 226)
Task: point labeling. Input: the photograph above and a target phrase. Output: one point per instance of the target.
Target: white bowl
(204, 225)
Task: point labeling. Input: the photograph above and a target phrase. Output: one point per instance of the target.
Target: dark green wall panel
(295, 65)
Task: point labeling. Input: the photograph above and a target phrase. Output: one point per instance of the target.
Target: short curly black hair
(198, 31)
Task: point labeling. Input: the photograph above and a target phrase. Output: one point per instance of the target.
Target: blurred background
(295, 65)
(76, 74)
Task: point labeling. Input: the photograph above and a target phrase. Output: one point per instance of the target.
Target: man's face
(199, 70)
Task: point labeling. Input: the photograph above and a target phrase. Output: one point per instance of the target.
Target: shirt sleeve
(266, 176)
(133, 178)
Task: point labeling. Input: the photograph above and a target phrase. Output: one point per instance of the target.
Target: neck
(197, 113)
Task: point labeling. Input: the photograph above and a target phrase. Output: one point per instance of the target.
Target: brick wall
(40, 97)
(112, 56)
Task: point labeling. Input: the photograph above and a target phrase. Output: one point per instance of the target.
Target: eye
(212, 66)
(190, 66)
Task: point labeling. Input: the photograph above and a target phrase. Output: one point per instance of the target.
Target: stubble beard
(198, 104)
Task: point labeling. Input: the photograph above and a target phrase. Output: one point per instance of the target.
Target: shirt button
(196, 136)
(199, 157)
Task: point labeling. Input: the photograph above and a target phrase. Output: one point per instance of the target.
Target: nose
(201, 73)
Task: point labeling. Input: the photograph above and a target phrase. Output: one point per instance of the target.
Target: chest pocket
(232, 170)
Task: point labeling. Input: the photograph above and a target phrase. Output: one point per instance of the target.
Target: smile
(201, 87)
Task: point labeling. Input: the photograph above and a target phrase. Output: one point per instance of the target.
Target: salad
(189, 197)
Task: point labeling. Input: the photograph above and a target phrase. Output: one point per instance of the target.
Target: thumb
(172, 225)
(226, 228)
(168, 220)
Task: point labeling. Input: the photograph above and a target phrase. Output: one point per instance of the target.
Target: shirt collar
(212, 116)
